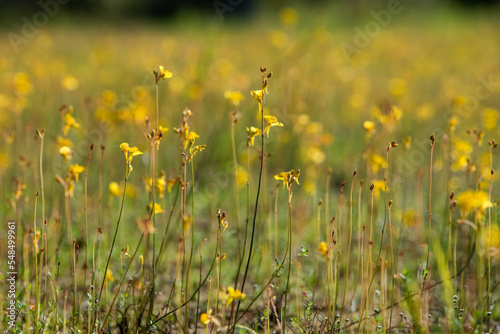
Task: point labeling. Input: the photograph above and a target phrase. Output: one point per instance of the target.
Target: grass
(219, 226)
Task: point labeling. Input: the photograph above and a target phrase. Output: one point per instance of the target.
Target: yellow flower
(75, 171)
(252, 132)
(69, 121)
(162, 73)
(109, 276)
(288, 178)
(70, 83)
(378, 186)
(158, 208)
(190, 138)
(61, 141)
(129, 153)
(234, 295)
(170, 183)
(22, 83)
(233, 97)
(114, 189)
(66, 152)
(161, 185)
(271, 121)
(194, 150)
(258, 94)
(473, 201)
(369, 126)
(377, 163)
(490, 118)
(323, 248)
(206, 317)
(453, 124)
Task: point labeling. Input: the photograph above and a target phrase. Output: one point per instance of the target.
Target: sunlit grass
(202, 231)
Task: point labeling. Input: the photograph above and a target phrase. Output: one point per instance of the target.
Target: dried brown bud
(492, 172)
(394, 144)
(92, 146)
(390, 203)
(270, 75)
(354, 174)
(263, 69)
(372, 186)
(103, 147)
(320, 202)
(452, 194)
(433, 139)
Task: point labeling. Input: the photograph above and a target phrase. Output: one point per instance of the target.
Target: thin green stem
(112, 244)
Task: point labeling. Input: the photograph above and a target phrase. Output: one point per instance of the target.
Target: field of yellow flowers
(290, 173)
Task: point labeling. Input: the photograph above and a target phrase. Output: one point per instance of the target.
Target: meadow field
(304, 170)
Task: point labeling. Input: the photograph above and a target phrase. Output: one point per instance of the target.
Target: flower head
(369, 127)
(69, 121)
(66, 152)
(162, 73)
(288, 178)
(234, 295)
(114, 189)
(129, 153)
(233, 97)
(252, 132)
(271, 121)
(323, 248)
(473, 201)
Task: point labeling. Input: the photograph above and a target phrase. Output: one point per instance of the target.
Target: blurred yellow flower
(490, 118)
(252, 132)
(377, 163)
(323, 248)
(279, 38)
(69, 83)
(69, 121)
(453, 124)
(75, 171)
(234, 295)
(189, 138)
(271, 121)
(473, 201)
(66, 152)
(22, 84)
(206, 317)
(378, 186)
(114, 189)
(369, 126)
(233, 97)
(158, 208)
(289, 16)
(109, 276)
(397, 86)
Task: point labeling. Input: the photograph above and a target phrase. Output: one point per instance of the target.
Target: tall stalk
(112, 244)
(424, 276)
(250, 250)
(349, 245)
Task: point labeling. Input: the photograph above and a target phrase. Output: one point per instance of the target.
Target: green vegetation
(292, 173)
